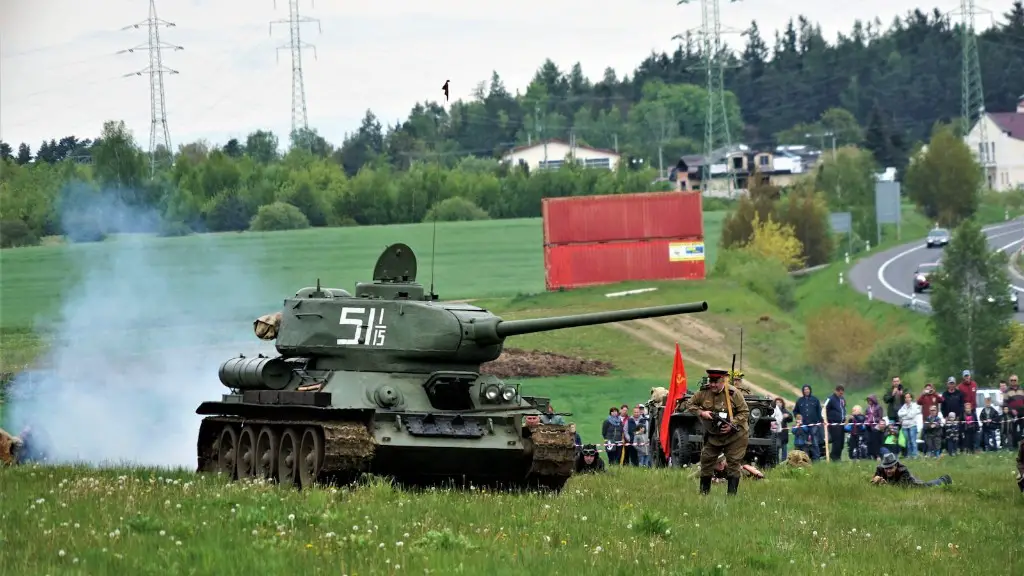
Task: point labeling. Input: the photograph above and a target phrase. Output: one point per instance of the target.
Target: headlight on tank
(492, 393)
(755, 413)
(508, 393)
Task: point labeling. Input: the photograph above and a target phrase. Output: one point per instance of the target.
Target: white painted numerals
(376, 330)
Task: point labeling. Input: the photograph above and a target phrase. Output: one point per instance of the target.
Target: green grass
(826, 519)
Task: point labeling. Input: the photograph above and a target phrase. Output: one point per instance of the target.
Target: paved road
(890, 273)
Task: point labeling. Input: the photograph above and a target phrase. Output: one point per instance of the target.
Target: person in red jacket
(969, 388)
(928, 398)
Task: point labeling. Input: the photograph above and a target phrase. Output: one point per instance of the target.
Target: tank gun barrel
(506, 328)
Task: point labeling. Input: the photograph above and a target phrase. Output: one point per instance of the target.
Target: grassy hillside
(826, 520)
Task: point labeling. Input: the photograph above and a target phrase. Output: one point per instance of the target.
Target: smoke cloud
(138, 341)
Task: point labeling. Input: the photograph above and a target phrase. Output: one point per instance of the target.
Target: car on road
(922, 275)
(1011, 298)
(937, 237)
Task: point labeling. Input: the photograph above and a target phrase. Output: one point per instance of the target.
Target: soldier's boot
(705, 484)
(734, 485)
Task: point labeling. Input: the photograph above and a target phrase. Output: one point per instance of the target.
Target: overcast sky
(59, 73)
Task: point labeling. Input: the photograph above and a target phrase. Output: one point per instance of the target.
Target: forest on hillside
(879, 87)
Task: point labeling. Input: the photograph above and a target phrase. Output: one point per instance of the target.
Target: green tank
(387, 381)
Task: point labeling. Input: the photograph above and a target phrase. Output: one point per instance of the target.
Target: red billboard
(619, 217)
(577, 265)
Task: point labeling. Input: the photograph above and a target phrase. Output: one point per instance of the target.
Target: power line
(156, 71)
(295, 45)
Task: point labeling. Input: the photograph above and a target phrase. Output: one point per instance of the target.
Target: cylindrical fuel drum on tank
(255, 373)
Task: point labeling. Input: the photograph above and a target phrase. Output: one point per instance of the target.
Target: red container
(576, 265)
(619, 217)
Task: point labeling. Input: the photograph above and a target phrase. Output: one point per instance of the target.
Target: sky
(60, 74)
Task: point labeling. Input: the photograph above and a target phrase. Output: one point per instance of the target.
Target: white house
(553, 153)
(1004, 159)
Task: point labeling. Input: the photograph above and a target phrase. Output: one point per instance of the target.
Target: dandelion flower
(918, 548)
(291, 517)
(61, 553)
(163, 533)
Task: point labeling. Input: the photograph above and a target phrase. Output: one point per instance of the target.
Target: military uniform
(732, 444)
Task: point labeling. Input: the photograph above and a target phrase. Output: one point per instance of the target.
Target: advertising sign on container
(621, 217)
(686, 251)
(577, 265)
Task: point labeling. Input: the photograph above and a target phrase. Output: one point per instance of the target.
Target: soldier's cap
(889, 460)
(589, 449)
(713, 373)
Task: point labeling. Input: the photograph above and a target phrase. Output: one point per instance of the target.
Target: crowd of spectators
(929, 424)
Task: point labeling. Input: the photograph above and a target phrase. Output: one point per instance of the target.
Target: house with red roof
(1002, 156)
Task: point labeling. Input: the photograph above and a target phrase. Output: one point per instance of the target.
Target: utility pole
(295, 45)
(972, 93)
(716, 123)
(156, 71)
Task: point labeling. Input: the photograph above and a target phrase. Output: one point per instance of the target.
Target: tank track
(554, 456)
(334, 451)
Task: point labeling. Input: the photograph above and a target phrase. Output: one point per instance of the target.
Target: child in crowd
(799, 434)
(952, 433)
(933, 432)
(969, 428)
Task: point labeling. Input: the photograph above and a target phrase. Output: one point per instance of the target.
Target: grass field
(824, 520)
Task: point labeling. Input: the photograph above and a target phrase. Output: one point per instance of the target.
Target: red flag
(676, 390)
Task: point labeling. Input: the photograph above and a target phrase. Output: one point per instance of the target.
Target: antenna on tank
(433, 250)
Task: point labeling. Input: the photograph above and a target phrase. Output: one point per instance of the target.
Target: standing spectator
(909, 413)
(953, 400)
(641, 438)
(611, 431)
(782, 416)
(989, 425)
(933, 432)
(629, 436)
(576, 440)
(1003, 389)
(894, 399)
(835, 413)
(809, 409)
(952, 433)
(969, 388)
(928, 398)
(873, 423)
(969, 428)
(799, 434)
(1014, 396)
(858, 434)
(1006, 432)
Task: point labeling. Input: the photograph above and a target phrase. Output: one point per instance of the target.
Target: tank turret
(386, 379)
(392, 324)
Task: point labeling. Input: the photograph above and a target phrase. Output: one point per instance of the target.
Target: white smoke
(137, 345)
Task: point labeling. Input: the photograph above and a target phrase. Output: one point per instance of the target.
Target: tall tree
(971, 312)
(945, 180)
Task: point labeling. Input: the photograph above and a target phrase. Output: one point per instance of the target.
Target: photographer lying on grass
(891, 471)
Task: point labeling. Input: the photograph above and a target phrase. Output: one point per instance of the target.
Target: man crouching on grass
(892, 471)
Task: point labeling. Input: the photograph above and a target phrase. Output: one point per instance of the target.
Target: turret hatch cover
(396, 264)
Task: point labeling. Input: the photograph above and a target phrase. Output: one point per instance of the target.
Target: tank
(686, 439)
(387, 381)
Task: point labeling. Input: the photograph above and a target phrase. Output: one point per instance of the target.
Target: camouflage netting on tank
(266, 326)
(518, 363)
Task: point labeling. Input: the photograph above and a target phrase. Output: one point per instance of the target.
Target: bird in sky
(445, 88)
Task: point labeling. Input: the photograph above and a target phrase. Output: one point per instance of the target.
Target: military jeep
(686, 434)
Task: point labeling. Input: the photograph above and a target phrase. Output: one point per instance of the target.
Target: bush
(455, 209)
(898, 354)
(15, 233)
(774, 241)
(765, 277)
(172, 229)
(839, 343)
(278, 216)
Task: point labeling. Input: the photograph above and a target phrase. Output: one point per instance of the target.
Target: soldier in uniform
(720, 439)
(737, 381)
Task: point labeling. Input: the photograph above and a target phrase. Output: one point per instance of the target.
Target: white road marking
(891, 288)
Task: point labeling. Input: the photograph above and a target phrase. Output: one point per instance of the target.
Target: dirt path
(701, 342)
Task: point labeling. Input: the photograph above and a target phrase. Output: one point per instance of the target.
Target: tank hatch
(394, 276)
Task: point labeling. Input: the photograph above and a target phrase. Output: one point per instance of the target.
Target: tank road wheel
(246, 455)
(288, 458)
(227, 449)
(311, 456)
(266, 453)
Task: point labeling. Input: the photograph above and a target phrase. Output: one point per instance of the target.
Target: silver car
(938, 237)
